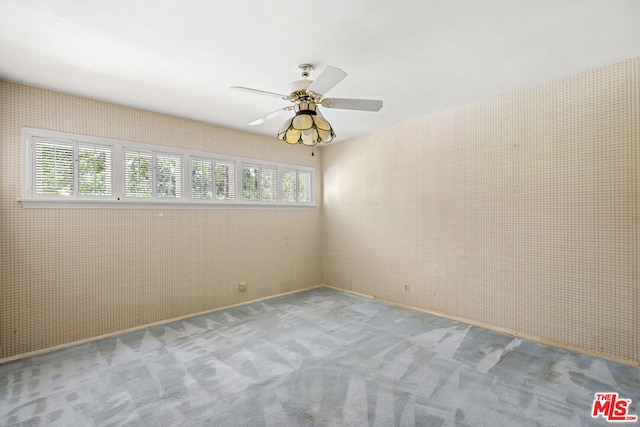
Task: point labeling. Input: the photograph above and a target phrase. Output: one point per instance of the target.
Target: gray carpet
(317, 358)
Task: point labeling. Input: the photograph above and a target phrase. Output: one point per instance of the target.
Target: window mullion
(117, 172)
(76, 168)
(260, 184)
(154, 171)
(187, 178)
(279, 190)
(239, 182)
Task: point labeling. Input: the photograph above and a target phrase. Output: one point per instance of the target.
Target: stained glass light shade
(306, 127)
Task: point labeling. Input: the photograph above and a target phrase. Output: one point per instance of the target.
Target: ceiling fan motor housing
(298, 91)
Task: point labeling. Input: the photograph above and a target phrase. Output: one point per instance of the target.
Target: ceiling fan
(307, 126)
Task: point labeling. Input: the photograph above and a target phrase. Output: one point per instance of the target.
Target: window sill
(155, 204)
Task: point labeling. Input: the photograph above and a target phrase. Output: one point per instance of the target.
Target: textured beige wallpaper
(72, 274)
(520, 212)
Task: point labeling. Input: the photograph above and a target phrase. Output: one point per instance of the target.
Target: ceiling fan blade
(259, 92)
(330, 77)
(353, 104)
(269, 116)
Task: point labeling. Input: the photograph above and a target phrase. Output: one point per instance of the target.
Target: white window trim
(261, 166)
(297, 171)
(215, 160)
(117, 199)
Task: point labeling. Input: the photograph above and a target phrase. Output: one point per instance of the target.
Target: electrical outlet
(242, 287)
(406, 287)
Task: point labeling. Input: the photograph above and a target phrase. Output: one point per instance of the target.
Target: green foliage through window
(251, 183)
(168, 175)
(94, 171)
(138, 181)
(296, 186)
(225, 180)
(259, 183)
(203, 179)
(289, 178)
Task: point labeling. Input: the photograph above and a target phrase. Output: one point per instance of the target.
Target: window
(304, 186)
(54, 168)
(296, 186)
(168, 175)
(210, 174)
(149, 174)
(201, 179)
(289, 180)
(138, 180)
(268, 184)
(65, 170)
(259, 183)
(225, 180)
(56, 173)
(94, 170)
(250, 183)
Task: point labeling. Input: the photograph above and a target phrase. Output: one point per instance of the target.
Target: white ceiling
(420, 56)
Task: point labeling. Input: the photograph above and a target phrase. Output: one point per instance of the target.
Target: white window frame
(261, 167)
(215, 160)
(139, 152)
(29, 169)
(153, 154)
(117, 198)
(297, 172)
(106, 148)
